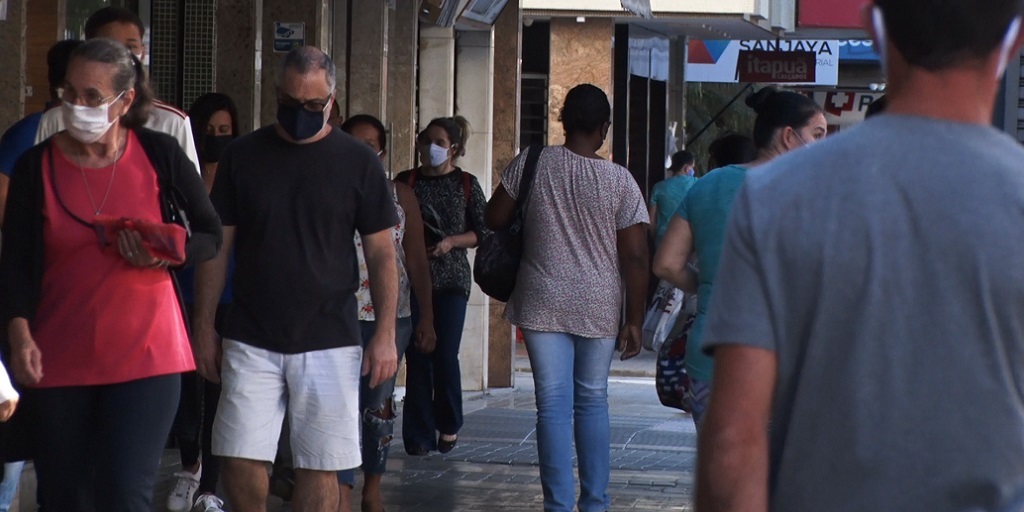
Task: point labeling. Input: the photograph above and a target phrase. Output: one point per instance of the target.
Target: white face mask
(438, 155)
(87, 124)
(1012, 31)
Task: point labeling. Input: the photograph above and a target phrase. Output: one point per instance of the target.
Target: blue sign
(857, 50)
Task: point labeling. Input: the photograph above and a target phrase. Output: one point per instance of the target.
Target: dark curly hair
(203, 109)
(585, 110)
(367, 119)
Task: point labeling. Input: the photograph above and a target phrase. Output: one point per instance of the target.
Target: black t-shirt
(296, 209)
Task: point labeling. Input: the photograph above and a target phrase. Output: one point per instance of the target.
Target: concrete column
(239, 57)
(403, 42)
(339, 50)
(368, 60)
(475, 101)
(580, 53)
(677, 89)
(12, 82)
(437, 73)
(45, 21)
(508, 32)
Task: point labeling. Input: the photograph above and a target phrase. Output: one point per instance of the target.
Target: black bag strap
(529, 170)
(56, 191)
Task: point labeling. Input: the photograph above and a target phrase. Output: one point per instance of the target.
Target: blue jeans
(377, 432)
(433, 388)
(570, 375)
(9, 485)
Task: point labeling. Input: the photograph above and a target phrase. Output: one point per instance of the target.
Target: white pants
(319, 390)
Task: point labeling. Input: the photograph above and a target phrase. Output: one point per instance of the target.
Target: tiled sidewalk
(494, 467)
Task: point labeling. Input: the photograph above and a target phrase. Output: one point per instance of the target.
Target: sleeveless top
(366, 313)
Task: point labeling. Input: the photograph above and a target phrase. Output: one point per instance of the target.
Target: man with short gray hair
(291, 196)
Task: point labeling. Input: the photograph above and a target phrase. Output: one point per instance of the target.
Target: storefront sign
(857, 50)
(288, 36)
(844, 108)
(776, 67)
(719, 60)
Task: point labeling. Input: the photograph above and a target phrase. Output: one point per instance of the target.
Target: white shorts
(319, 390)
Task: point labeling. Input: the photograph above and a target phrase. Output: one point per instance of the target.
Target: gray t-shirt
(569, 276)
(883, 269)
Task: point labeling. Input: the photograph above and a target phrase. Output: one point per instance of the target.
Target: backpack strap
(467, 185)
(412, 178)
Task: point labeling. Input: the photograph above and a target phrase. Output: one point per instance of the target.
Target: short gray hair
(307, 59)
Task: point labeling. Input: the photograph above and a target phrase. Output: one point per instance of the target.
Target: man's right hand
(208, 352)
(26, 359)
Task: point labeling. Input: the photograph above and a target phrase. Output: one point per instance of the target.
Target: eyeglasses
(91, 99)
(311, 105)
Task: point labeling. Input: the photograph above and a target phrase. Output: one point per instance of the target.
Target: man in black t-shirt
(291, 196)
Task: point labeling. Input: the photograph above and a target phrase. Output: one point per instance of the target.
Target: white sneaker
(208, 503)
(185, 486)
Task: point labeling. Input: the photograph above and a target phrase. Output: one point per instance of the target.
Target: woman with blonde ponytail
(452, 203)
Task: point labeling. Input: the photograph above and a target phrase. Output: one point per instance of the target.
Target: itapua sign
(807, 62)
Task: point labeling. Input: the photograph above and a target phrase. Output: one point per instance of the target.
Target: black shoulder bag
(497, 258)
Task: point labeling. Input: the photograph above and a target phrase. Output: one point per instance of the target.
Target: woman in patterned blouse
(452, 203)
(377, 404)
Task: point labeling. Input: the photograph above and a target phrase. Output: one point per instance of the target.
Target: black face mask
(213, 147)
(299, 123)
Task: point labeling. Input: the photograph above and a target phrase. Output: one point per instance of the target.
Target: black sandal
(445, 446)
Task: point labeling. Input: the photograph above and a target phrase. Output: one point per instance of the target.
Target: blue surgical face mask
(300, 124)
(438, 155)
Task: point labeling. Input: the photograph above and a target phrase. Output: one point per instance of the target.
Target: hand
(380, 360)
(426, 339)
(7, 409)
(443, 247)
(26, 360)
(629, 342)
(129, 244)
(208, 353)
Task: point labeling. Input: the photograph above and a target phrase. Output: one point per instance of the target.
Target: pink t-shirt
(101, 320)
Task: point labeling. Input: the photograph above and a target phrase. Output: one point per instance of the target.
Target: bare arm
(210, 278)
(380, 360)
(732, 472)
(674, 252)
(500, 210)
(631, 243)
(652, 210)
(418, 266)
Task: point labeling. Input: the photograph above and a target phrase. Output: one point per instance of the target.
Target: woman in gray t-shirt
(584, 234)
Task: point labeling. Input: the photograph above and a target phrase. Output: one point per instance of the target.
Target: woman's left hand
(129, 244)
(443, 247)
(629, 342)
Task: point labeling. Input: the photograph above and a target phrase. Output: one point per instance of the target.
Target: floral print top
(363, 294)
